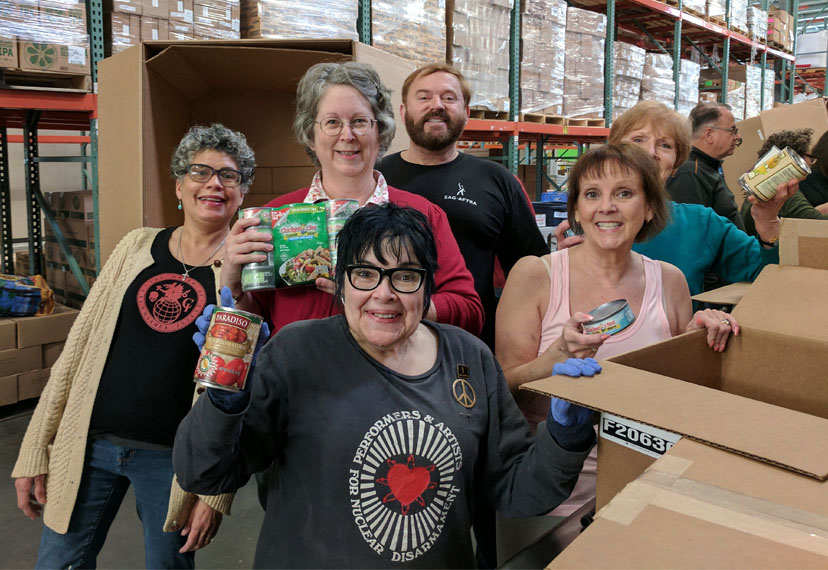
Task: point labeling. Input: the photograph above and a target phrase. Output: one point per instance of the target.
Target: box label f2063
(640, 437)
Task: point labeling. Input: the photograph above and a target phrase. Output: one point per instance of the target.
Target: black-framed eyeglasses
(810, 157)
(734, 131)
(202, 173)
(332, 126)
(402, 279)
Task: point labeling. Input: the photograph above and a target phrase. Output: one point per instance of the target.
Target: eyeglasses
(203, 173)
(402, 279)
(810, 157)
(732, 130)
(332, 126)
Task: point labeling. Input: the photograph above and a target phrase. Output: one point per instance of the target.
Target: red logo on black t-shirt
(169, 302)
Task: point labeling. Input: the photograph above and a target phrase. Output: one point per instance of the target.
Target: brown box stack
(480, 49)
(285, 19)
(628, 67)
(584, 68)
(543, 30)
(779, 28)
(216, 19)
(657, 83)
(28, 348)
(412, 29)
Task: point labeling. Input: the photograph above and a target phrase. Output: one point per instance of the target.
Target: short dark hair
(705, 114)
(820, 152)
(387, 228)
(799, 140)
(624, 156)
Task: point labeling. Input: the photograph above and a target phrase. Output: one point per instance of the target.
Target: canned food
(338, 212)
(774, 168)
(228, 349)
(262, 274)
(609, 318)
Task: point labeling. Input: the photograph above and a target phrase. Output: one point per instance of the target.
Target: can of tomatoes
(228, 349)
(262, 274)
(337, 213)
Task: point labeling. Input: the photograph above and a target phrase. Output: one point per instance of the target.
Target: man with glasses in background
(700, 179)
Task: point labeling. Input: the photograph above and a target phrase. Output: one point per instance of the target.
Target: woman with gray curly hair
(345, 121)
(108, 415)
(797, 205)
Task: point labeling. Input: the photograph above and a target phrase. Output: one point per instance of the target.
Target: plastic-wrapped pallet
(768, 90)
(757, 23)
(736, 99)
(299, 19)
(51, 34)
(216, 19)
(584, 67)
(657, 84)
(738, 15)
(753, 90)
(695, 6)
(412, 29)
(480, 49)
(716, 9)
(628, 68)
(543, 30)
(688, 86)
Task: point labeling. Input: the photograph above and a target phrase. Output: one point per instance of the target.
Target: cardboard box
(179, 31)
(8, 52)
(734, 400)
(17, 360)
(51, 352)
(727, 295)
(148, 97)
(8, 333)
(808, 114)
(804, 243)
(77, 233)
(156, 8)
(30, 384)
(8, 390)
(69, 58)
(181, 10)
(129, 7)
(56, 278)
(121, 31)
(78, 205)
(702, 507)
(34, 331)
(153, 29)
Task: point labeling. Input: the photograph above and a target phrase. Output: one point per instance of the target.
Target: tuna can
(337, 213)
(774, 168)
(228, 349)
(259, 275)
(609, 318)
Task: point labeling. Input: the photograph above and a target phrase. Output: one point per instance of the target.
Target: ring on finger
(726, 322)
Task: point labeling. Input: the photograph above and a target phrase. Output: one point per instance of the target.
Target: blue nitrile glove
(566, 413)
(226, 401)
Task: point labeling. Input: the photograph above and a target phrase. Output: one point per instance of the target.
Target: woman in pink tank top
(617, 197)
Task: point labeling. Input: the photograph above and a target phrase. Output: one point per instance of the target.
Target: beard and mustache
(438, 141)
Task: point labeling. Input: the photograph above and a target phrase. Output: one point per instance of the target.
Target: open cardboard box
(702, 507)
(150, 94)
(735, 400)
(810, 114)
(804, 243)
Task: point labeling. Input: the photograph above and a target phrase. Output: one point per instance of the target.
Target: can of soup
(259, 275)
(228, 349)
(609, 318)
(774, 168)
(337, 213)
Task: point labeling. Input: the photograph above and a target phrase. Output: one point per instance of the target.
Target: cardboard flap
(759, 430)
(343, 46)
(174, 67)
(787, 300)
(727, 295)
(804, 243)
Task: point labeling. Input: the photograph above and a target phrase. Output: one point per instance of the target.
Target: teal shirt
(699, 241)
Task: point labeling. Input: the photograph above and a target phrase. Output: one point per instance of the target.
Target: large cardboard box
(808, 114)
(149, 95)
(734, 400)
(8, 52)
(17, 360)
(34, 331)
(39, 56)
(8, 333)
(702, 507)
(8, 390)
(30, 384)
(804, 243)
(51, 352)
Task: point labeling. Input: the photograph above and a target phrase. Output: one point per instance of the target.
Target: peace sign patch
(462, 389)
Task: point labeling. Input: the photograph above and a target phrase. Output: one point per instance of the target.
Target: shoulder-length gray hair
(361, 77)
(215, 137)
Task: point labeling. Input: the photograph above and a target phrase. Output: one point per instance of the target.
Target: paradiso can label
(228, 349)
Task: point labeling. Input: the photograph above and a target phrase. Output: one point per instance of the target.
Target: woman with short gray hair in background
(108, 415)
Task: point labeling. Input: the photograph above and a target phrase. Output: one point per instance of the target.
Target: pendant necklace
(181, 259)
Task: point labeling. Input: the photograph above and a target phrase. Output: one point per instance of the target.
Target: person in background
(699, 180)
(696, 239)
(815, 186)
(345, 121)
(381, 465)
(485, 204)
(797, 205)
(617, 197)
(108, 415)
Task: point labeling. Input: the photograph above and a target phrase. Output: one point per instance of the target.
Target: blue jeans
(107, 473)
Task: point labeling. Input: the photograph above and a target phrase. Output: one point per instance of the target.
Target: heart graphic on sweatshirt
(406, 483)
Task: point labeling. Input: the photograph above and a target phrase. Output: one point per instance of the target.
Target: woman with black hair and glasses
(107, 417)
(388, 428)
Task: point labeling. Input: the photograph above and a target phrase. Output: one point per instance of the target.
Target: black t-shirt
(487, 210)
(147, 383)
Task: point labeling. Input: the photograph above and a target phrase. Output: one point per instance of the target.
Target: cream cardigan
(55, 441)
